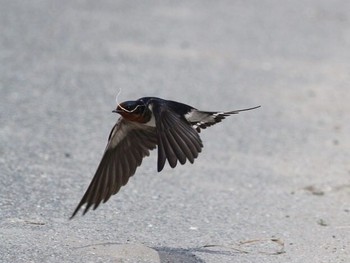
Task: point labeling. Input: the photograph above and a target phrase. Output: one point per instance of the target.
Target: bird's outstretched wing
(128, 144)
(177, 140)
(203, 119)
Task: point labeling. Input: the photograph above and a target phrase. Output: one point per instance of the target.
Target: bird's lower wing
(128, 144)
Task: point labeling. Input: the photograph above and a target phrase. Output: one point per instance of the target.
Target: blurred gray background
(271, 185)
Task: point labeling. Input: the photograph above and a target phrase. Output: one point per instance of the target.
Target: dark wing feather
(128, 144)
(177, 140)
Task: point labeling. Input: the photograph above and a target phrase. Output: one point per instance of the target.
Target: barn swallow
(145, 124)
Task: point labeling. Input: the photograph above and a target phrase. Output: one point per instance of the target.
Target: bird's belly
(151, 122)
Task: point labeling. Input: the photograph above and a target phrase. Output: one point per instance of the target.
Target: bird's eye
(139, 108)
(130, 107)
(134, 108)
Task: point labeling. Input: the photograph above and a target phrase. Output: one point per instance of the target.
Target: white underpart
(119, 133)
(121, 130)
(152, 121)
(201, 118)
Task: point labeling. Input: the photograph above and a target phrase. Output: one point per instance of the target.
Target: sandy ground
(271, 185)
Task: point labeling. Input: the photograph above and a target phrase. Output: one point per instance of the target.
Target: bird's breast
(136, 117)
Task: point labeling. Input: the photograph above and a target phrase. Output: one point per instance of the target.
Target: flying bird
(145, 124)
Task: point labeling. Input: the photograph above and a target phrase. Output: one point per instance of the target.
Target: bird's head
(132, 110)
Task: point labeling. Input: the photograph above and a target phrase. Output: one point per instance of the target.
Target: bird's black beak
(118, 110)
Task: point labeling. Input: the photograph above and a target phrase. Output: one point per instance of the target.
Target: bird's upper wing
(203, 119)
(177, 140)
(128, 144)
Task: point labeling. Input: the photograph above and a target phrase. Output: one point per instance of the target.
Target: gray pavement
(271, 185)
